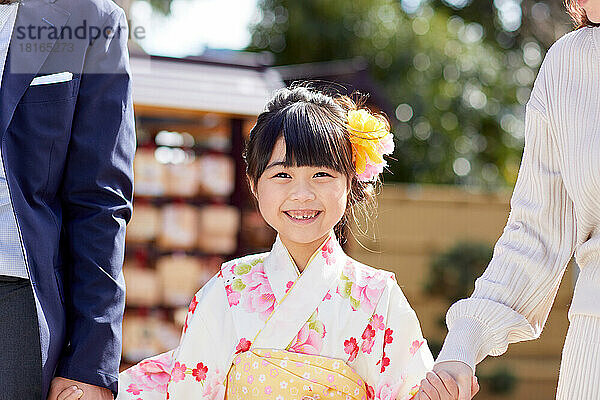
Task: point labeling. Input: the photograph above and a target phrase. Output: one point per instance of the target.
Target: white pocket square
(52, 78)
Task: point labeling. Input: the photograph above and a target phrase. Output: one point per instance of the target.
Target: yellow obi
(268, 373)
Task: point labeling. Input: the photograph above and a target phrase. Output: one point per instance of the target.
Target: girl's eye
(282, 175)
(320, 174)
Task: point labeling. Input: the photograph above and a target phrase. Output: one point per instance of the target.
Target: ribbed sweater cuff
(466, 342)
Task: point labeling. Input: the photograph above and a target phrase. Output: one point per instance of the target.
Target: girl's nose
(302, 192)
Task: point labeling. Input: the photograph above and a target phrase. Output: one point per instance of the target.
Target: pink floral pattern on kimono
(365, 294)
(232, 296)
(249, 287)
(377, 322)
(307, 341)
(191, 310)
(387, 389)
(310, 338)
(200, 372)
(368, 336)
(327, 251)
(152, 374)
(214, 389)
(288, 286)
(369, 293)
(178, 372)
(351, 348)
(243, 345)
(258, 295)
(415, 346)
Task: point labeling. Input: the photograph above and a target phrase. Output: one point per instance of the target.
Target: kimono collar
(298, 296)
(283, 273)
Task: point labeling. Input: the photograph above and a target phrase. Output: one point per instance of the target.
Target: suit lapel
(23, 62)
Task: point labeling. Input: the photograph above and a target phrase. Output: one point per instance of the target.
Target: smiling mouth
(303, 216)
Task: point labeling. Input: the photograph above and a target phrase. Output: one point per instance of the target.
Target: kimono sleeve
(197, 367)
(402, 357)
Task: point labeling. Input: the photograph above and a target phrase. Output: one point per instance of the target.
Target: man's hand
(62, 389)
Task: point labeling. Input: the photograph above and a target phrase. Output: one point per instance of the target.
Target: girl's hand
(62, 389)
(70, 393)
(450, 380)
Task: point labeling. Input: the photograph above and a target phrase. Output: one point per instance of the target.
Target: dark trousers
(20, 354)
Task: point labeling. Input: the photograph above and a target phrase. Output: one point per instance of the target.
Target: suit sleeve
(96, 196)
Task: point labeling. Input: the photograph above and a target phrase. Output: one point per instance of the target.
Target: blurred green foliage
(501, 381)
(163, 6)
(452, 273)
(457, 72)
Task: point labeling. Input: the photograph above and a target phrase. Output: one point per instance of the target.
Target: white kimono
(337, 308)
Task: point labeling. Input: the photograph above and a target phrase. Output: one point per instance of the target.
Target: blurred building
(345, 76)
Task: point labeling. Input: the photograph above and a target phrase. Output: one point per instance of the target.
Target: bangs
(313, 139)
(314, 136)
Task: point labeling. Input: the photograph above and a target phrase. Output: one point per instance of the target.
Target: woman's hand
(450, 380)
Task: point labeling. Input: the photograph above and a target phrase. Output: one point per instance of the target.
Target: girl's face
(592, 9)
(301, 203)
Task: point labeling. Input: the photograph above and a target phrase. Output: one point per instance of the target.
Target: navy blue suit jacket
(68, 151)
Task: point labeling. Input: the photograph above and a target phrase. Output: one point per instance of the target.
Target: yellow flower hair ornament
(371, 140)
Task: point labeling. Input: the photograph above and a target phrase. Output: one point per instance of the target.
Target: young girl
(303, 320)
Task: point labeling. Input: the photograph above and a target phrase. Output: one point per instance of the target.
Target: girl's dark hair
(313, 124)
(578, 14)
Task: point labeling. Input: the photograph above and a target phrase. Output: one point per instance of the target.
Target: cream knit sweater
(555, 212)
